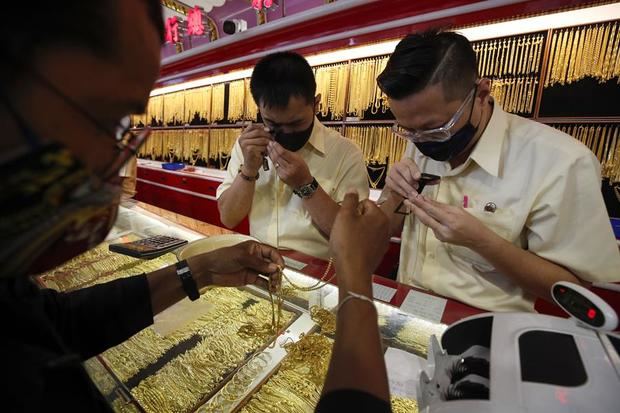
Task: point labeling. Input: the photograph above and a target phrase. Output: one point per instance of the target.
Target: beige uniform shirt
(545, 186)
(277, 216)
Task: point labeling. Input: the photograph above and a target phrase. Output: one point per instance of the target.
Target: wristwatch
(306, 191)
(187, 280)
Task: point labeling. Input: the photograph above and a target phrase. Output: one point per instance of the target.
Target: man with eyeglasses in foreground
(518, 206)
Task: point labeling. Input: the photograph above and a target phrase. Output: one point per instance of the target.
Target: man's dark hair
(427, 58)
(279, 76)
(79, 23)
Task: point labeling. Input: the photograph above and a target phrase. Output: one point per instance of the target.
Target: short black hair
(78, 23)
(427, 58)
(279, 76)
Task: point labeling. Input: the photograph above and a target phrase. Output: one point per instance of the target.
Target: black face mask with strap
(444, 151)
(293, 141)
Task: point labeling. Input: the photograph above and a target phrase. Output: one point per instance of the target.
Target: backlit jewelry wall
(567, 78)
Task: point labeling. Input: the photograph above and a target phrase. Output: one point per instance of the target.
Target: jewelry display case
(212, 361)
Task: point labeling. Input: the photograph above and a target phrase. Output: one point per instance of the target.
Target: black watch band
(187, 280)
(306, 191)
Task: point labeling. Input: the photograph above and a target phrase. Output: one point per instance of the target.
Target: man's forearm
(235, 203)
(534, 274)
(166, 288)
(323, 209)
(388, 202)
(357, 358)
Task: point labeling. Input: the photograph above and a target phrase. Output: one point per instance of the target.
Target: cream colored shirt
(546, 189)
(278, 217)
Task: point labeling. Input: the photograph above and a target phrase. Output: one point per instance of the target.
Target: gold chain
(217, 107)
(236, 100)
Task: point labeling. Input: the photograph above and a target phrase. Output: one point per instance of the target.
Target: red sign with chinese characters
(260, 4)
(194, 22)
(172, 29)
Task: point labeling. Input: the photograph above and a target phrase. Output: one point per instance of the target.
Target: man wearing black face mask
(518, 206)
(288, 173)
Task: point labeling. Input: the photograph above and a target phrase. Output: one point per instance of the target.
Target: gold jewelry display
(251, 110)
(198, 103)
(602, 139)
(155, 110)
(236, 100)
(217, 104)
(515, 95)
(364, 93)
(586, 51)
(193, 371)
(174, 108)
(297, 384)
(331, 84)
(324, 318)
(512, 65)
(192, 145)
(378, 144)
(221, 142)
(402, 405)
(515, 57)
(99, 265)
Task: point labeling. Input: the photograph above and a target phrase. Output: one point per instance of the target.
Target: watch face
(308, 189)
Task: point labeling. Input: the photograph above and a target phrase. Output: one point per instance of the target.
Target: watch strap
(187, 280)
(306, 191)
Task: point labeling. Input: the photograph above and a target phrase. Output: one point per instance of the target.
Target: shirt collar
(488, 151)
(317, 138)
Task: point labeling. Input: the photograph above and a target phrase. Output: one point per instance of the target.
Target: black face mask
(443, 151)
(293, 141)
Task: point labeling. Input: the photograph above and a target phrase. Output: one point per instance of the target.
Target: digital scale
(522, 362)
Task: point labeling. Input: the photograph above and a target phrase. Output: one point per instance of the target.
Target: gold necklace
(551, 65)
(236, 100)
(375, 182)
(217, 105)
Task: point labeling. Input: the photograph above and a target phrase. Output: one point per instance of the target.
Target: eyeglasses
(440, 134)
(127, 142)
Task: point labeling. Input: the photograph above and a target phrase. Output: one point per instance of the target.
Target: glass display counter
(199, 356)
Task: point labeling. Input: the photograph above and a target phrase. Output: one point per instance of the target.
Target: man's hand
(253, 141)
(237, 265)
(403, 178)
(290, 166)
(450, 223)
(358, 241)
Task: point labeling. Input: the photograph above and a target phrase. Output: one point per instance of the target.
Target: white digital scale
(521, 362)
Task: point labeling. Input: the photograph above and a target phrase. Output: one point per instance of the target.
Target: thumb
(252, 263)
(350, 202)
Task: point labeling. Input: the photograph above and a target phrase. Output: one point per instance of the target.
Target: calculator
(148, 248)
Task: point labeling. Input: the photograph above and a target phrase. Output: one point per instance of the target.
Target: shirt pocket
(500, 222)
